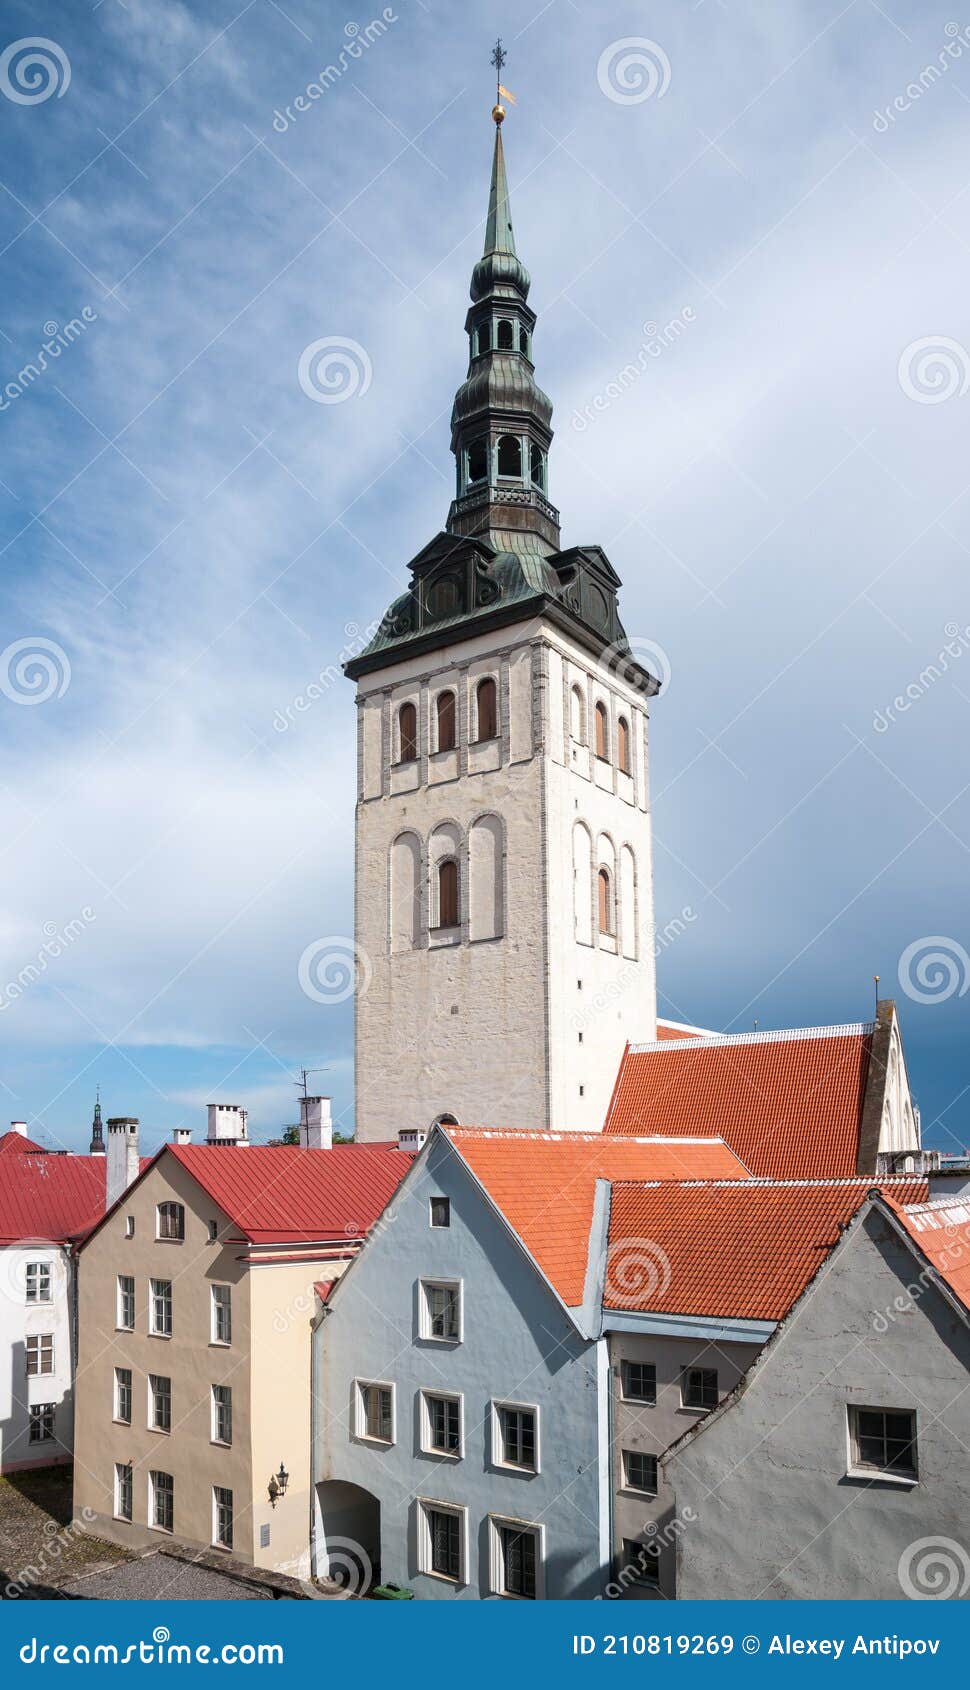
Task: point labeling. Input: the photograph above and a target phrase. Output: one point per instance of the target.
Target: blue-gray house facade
(459, 1407)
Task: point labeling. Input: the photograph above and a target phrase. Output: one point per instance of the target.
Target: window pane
(445, 1533)
(445, 711)
(519, 1562)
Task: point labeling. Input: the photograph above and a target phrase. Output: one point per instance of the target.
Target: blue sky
(783, 487)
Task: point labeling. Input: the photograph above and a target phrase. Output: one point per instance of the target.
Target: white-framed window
(222, 1414)
(640, 1471)
(212, 1229)
(124, 1490)
(38, 1280)
(40, 1353)
(443, 1540)
(638, 1381)
(641, 1562)
(439, 1211)
(698, 1387)
(129, 1226)
(160, 1308)
(221, 1517)
(170, 1222)
(440, 1310)
(515, 1436)
(221, 1312)
(161, 1501)
(883, 1440)
(515, 1558)
(125, 1315)
(123, 1395)
(374, 1410)
(159, 1402)
(441, 1423)
(42, 1423)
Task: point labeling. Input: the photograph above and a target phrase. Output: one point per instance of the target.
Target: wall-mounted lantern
(277, 1485)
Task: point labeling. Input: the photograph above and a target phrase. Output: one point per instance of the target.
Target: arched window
(448, 893)
(407, 734)
(523, 339)
(483, 338)
(623, 745)
(604, 889)
(537, 465)
(487, 703)
(602, 732)
(478, 460)
(170, 1221)
(506, 336)
(509, 455)
(445, 717)
(577, 716)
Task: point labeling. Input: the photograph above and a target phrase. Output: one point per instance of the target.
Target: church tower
(504, 909)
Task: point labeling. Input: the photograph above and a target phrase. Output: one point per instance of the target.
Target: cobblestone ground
(41, 1546)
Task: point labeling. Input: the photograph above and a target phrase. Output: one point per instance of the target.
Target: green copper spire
(498, 229)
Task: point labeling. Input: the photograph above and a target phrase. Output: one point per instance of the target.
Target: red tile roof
(281, 1194)
(942, 1231)
(741, 1251)
(789, 1104)
(48, 1196)
(13, 1142)
(545, 1184)
(677, 1030)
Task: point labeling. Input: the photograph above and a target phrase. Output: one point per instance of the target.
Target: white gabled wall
(20, 1320)
(518, 1015)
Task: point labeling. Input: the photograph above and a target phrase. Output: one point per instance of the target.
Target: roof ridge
(532, 1135)
(760, 1182)
(840, 1029)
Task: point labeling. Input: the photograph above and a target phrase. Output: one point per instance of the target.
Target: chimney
(122, 1157)
(19, 1127)
(411, 1138)
(227, 1125)
(182, 1135)
(316, 1127)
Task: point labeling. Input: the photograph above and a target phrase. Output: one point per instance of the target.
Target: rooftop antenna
(756, 1023)
(875, 979)
(300, 1084)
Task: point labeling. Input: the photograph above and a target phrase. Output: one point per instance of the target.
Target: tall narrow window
(487, 702)
(448, 893)
(509, 455)
(162, 1489)
(159, 1403)
(605, 893)
(444, 706)
(506, 335)
(221, 1327)
(124, 1490)
(123, 1395)
(407, 734)
(221, 1517)
(537, 464)
(483, 338)
(478, 460)
(126, 1302)
(623, 745)
(160, 1308)
(577, 716)
(524, 340)
(602, 732)
(222, 1414)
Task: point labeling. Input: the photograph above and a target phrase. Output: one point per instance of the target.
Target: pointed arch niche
(486, 878)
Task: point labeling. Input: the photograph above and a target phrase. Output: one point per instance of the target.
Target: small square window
(638, 1381)
(640, 1471)
(440, 1211)
(40, 1354)
(515, 1436)
(170, 1222)
(883, 1440)
(440, 1310)
(38, 1280)
(441, 1424)
(642, 1560)
(374, 1411)
(698, 1387)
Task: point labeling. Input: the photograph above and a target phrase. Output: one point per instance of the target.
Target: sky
(748, 229)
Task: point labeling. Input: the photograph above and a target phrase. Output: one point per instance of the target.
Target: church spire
(501, 422)
(96, 1147)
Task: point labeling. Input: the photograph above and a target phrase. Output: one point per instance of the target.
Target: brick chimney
(316, 1127)
(122, 1157)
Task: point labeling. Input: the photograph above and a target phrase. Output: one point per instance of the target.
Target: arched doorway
(347, 1536)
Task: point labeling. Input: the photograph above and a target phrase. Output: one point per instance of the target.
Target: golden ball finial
(498, 113)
